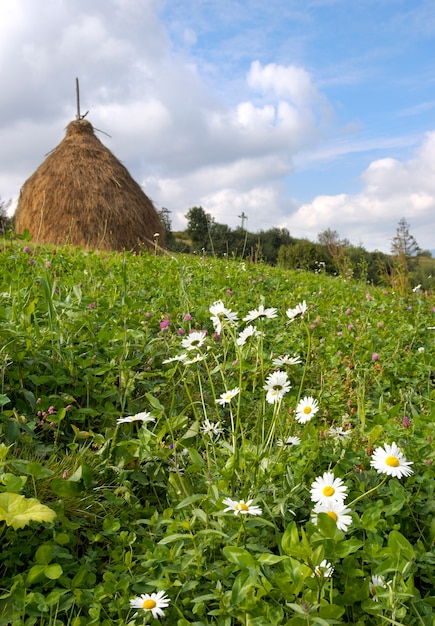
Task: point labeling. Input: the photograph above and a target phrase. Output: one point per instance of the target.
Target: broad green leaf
(400, 545)
(37, 470)
(239, 556)
(12, 483)
(44, 554)
(18, 511)
(53, 571)
(345, 548)
(3, 399)
(270, 559)
(242, 585)
(65, 488)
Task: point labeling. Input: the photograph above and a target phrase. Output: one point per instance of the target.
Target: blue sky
(303, 114)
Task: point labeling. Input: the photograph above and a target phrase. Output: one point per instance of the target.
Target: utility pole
(243, 217)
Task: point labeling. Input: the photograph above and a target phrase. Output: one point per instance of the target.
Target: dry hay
(82, 195)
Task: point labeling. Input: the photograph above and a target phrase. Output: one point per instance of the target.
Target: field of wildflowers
(192, 441)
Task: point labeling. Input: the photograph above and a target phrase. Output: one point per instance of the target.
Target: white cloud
(286, 82)
(392, 189)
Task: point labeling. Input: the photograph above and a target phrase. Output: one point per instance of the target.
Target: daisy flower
(298, 310)
(179, 357)
(256, 314)
(242, 507)
(227, 396)
(196, 359)
(247, 333)
(287, 360)
(336, 510)
(290, 441)
(194, 340)
(139, 417)
(211, 428)
(220, 314)
(325, 569)
(327, 488)
(390, 460)
(154, 602)
(377, 581)
(306, 409)
(338, 432)
(277, 384)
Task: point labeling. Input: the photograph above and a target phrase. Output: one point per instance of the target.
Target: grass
(89, 338)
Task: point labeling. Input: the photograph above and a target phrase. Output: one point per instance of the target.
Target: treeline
(407, 266)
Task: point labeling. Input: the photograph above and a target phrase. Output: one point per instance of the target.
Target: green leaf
(12, 431)
(174, 537)
(345, 548)
(18, 511)
(53, 571)
(242, 585)
(44, 554)
(270, 559)
(155, 403)
(400, 545)
(12, 483)
(65, 488)
(3, 399)
(37, 470)
(194, 498)
(35, 574)
(239, 556)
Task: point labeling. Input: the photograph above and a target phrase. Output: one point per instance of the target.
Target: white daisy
(179, 357)
(211, 428)
(338, 432)
(247, 333)
(259, 313)
(194, 340)
(327, 488)
(390, 460)
(195, 359)
(139, 417)
(290, 441)
(153, 602)
(306, 409)
(287, 360)
(336, 510)
(227, 396)
(324, 569)
(220, 315)
(242, 507)
(277, 384)
(377, 581)
(298, 310)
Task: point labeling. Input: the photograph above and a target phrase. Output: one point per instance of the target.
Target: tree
(5, 220)
(330, 238)
(403, 243)
(167, 225)
(199, 224)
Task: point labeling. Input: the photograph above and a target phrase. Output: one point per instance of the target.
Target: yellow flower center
(333, 515)
(149, 604)
(242, 506)
(328, 491)
(392, 461)
(307, 410)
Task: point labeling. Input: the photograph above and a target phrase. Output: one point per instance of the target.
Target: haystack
(82, 195)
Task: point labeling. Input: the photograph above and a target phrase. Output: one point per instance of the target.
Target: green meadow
(187, 440)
